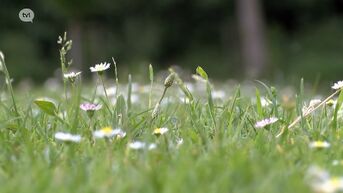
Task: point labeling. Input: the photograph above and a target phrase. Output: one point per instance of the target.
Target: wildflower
(265, 122)
(338, 85)
(67, 137)
(333, 184)
(319, 144)
(141, 145)
(321, 181)
(108, 132)
(71, 76)
(100, 67)
(90, 108)
(160, 131)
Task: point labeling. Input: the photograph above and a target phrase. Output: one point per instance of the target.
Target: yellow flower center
(157, 131)
(107, 130)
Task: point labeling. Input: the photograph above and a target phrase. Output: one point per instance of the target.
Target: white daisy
(71, 75)
(160, 131)
(265, 122)
(321, 181)
(319, 144)
(108, 132)
(100, 67)
(141, 145)
(338, 85)
(61, 136)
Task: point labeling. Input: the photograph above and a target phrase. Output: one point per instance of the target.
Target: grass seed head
(169, 80)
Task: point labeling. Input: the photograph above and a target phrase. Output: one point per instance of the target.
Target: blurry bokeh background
(241, 39)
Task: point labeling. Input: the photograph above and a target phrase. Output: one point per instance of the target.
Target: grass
(222, 149)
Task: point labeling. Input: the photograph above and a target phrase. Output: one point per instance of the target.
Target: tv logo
(26, 15)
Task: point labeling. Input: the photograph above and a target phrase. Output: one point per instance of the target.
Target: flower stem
(103, 85)
(307, 113)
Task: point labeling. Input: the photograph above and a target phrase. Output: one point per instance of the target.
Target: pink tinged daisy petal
(338, 85)
(90, 107)
(265, 122)
(67, 137)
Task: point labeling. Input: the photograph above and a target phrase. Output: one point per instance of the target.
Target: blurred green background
(266, 39)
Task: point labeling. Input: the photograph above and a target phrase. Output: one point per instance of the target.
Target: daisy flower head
(265, 122)
(319, 145)
(108, 132)
(99, 68)
(71, 76)
(338, 85)
(136, 145)
(160, 131)
(320, 180)
(90, 108)
(67, 137)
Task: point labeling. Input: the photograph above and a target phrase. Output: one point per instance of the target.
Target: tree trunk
(251, 28)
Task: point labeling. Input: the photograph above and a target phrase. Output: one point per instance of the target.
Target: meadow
(167, 135)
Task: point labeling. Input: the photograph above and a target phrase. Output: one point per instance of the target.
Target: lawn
(167, 135)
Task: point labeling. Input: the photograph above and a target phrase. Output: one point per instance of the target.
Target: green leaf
(46, 106)
(201, 72)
